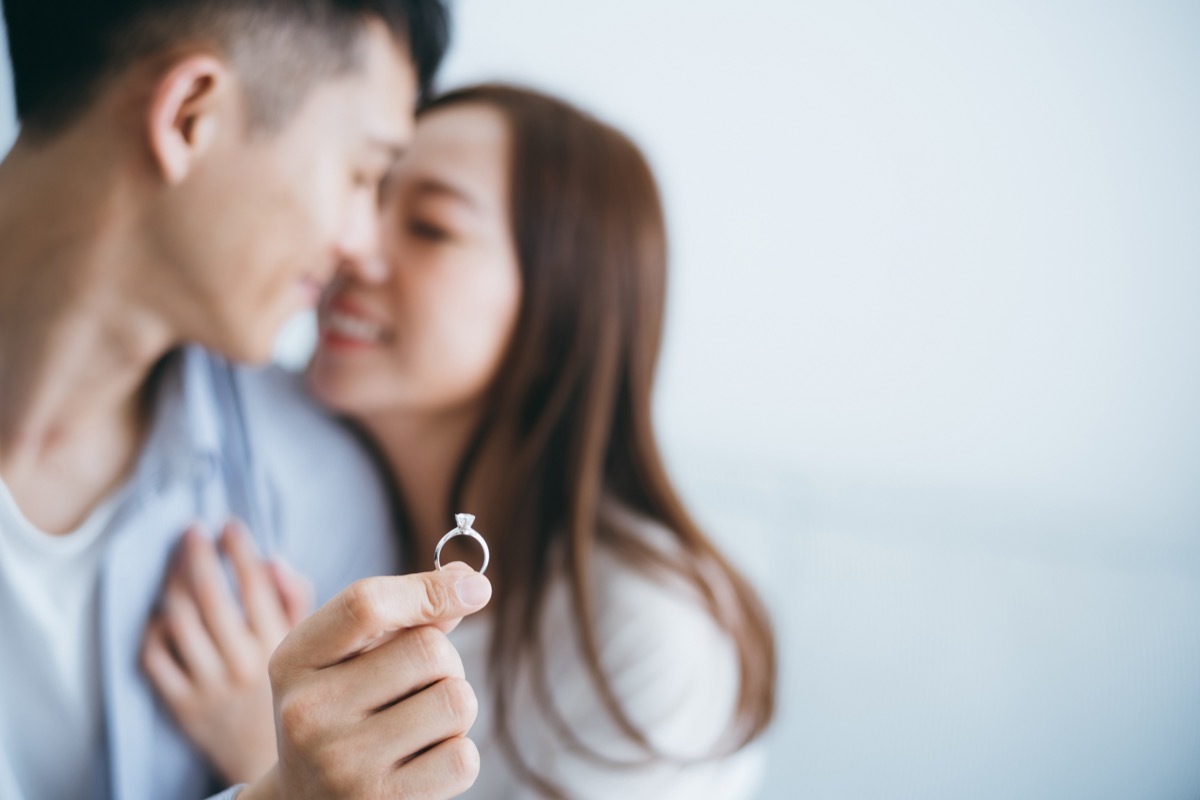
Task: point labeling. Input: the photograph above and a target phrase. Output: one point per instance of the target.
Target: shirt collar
(184, 444)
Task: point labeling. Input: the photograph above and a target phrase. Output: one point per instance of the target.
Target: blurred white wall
(933, 363)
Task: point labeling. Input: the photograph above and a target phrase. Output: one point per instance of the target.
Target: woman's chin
(330, 388)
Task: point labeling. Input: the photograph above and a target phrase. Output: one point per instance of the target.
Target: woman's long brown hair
(574, 393)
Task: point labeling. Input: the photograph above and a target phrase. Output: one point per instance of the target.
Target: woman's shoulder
(671, 665)
(634, 592)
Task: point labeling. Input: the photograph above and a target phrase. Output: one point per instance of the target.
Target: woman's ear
(186, 110)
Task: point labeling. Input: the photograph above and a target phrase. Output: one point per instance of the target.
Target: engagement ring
(464, 529)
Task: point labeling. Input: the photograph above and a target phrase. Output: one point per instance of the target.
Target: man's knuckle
(298, 714)
(279, 667)
(461, 704)
(432, 647)
(440, 600)
(340, 764)
(462, 762)
(363, 603)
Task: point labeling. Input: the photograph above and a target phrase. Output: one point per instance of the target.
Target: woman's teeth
(354, 327)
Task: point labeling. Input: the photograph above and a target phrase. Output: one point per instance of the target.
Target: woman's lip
(347, 306)
(344, 324)
(332, 340)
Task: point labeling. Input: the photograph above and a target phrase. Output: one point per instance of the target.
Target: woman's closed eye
(429, 231)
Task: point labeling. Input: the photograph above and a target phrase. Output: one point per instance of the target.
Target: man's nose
(360, 245)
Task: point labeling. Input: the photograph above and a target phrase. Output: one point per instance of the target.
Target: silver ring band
(464, 529)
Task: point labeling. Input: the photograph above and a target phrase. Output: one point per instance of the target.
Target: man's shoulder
(296, 440)
(281, 405)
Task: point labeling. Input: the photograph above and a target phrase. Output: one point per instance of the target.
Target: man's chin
(250, 350)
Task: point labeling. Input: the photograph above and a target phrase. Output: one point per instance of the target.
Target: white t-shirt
(51, 702)
(673, 669)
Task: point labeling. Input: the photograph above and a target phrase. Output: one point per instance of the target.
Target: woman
(502, 364)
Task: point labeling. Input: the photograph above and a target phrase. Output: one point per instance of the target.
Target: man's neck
(76, 346)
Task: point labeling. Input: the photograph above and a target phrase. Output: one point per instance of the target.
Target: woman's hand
(208, 660)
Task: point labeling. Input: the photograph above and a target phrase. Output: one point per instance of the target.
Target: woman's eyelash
(427, 231)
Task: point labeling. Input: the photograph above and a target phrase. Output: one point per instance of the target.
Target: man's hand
(370, 696)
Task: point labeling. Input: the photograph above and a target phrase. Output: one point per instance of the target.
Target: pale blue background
(933, 365)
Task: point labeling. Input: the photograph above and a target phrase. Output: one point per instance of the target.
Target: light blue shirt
(224, 442)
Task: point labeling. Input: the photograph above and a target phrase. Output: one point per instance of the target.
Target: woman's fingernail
(474, 590)
(240, 533)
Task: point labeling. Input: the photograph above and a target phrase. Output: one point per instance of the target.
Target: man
(190, 173)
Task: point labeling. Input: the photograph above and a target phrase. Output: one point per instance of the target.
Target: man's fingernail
(474, 590)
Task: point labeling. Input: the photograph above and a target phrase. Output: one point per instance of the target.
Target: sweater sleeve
(674, 672)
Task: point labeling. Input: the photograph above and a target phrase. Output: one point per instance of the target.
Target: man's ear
(187, 105)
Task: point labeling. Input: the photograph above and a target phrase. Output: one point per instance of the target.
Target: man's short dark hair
(64, 52)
